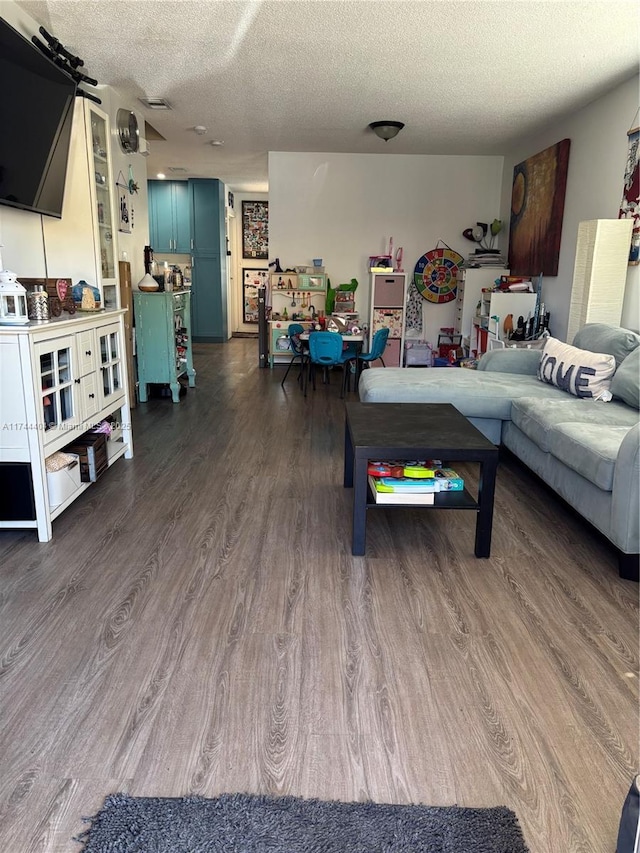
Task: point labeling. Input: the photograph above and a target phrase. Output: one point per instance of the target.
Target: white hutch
(59, 378)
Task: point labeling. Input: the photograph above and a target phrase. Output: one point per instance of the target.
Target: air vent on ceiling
(156, 103)
(177, 169)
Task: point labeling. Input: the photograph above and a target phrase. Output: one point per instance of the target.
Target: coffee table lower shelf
(443, 500)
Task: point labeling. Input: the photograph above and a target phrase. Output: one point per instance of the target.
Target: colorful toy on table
(418, 470)
(415, 470)
(385, 469)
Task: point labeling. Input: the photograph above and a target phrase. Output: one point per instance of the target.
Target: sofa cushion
(626, 380)
(581, 372)
(536, 418)
(589, 450)
(525, 361)
(614, 340)
(475, 394)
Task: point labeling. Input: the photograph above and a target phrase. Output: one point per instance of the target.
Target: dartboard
(435, 274)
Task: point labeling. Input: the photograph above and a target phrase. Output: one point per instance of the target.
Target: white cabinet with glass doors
(82, 245)
(102, 190)
(66, 376)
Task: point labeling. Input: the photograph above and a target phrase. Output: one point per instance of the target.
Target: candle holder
(13, 300)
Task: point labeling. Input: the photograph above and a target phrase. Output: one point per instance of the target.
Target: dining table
(358, 338)
(347, 337)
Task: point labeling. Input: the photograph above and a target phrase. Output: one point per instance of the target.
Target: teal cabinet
(207, 215)
(209, 309)
(170, 216)
(163, 340)
(188, 217)
(208, 261)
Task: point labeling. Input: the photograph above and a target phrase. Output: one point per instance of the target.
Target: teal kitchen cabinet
(207, 216)
(170, 216)
(204, 238)
(163, 340)
(209, 307)
(208, 261)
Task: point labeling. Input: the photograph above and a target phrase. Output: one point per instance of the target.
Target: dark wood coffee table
(375, 431)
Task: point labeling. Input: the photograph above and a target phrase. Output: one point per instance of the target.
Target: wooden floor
(198, 625)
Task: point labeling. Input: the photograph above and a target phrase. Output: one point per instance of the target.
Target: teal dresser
(163, 340)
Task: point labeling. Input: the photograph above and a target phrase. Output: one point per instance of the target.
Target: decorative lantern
(13, 300)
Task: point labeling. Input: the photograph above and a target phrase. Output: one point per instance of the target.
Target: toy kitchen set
(299, 295)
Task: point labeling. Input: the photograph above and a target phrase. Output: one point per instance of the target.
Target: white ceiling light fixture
(386, 129)
(156, 103)
(200, 129)
(161, 175)
(217, 142)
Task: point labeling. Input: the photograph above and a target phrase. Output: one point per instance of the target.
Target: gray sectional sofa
(587, 450)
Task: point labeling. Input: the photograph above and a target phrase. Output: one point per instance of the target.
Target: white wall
(344, 207)
(130, 246)
(597, 158)
(35, 245)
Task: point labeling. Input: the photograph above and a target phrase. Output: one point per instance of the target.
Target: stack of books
(488, 260)
(414, 483)
(381, 263)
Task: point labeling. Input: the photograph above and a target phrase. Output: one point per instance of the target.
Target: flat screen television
(36, 114)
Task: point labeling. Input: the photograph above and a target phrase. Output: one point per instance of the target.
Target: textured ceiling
(466, 77)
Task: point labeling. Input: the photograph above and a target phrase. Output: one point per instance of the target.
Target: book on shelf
(406, 484)
(486, 261)
(448, 480)
(407, 498)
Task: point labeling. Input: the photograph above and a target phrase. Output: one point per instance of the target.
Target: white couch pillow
(577, 371)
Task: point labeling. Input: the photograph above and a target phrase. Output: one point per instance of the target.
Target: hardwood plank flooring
(198, 625)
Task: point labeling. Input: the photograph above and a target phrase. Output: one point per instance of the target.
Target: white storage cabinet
(58, 380)
(388, 310)
(469, 285)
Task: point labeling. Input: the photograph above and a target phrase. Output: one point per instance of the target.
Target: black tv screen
(36, 110)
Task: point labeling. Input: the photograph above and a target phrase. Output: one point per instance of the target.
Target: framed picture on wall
(252, 279)
(537, 208)
(255, 230)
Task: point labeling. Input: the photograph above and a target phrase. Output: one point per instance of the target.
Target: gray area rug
(242, 823)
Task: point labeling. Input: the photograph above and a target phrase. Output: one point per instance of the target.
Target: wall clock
(128, 132)
(435, 274)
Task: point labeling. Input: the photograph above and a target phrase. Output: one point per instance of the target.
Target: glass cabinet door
(110, 350)
(104, 204)
(56, 372)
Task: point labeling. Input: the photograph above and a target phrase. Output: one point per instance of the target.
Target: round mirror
(128, 132)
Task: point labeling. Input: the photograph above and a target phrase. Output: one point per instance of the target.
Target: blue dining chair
(297, 348)
(378, 345)
(325, 351)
